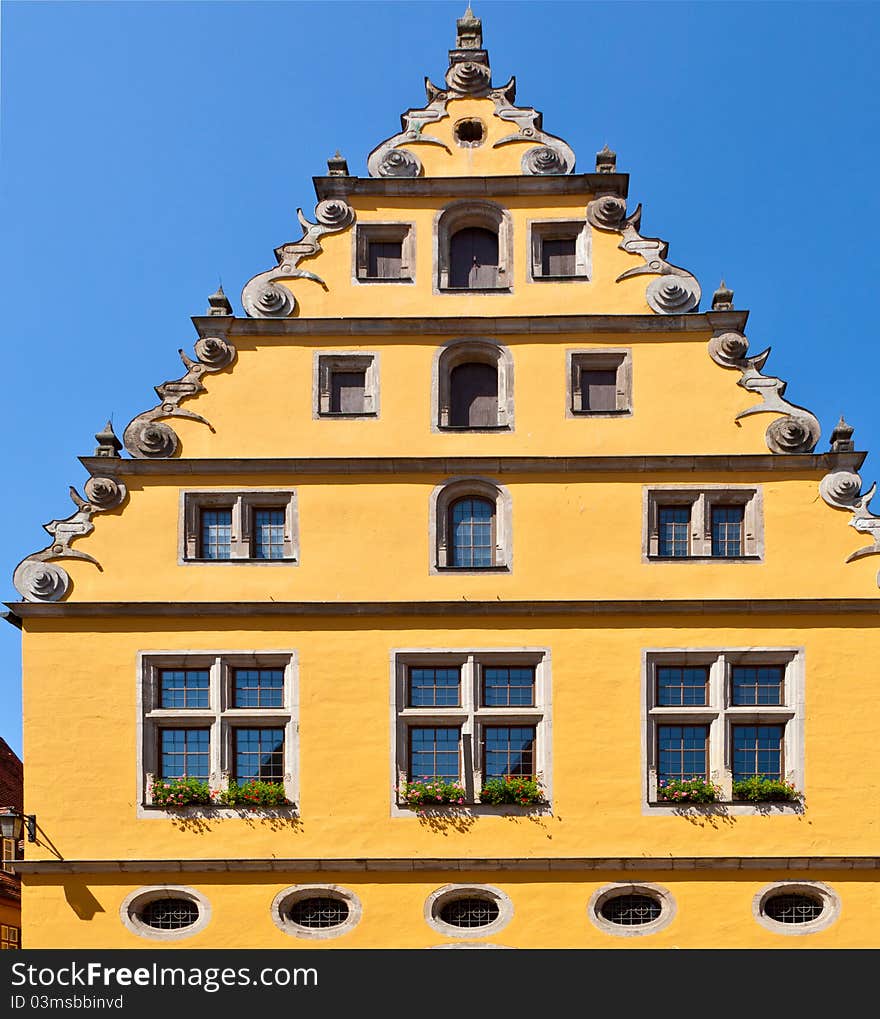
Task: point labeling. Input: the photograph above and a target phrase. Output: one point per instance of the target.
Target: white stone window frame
(541, 230)
(470, 718)
(287, 897)
(220, 718)
(459, 215)
(243, 504)
(328, 362)
(616, 359)
(720, 715)
(442, 498)
(702, 499)
(830, 906)
(658, 893)
(450, 893)
(366, 234)
(479, 350)
(134, 902)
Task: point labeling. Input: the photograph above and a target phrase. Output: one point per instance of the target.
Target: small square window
(560, 250)
(727, 530)
(240, 527)
(184, 753)
(258, 754)
(712, 523)
(757, 684)
(682, 752)
(508, 750)
(9, 854)
(258, 688)
(434, 753)
(433, 687)
(757, 750)
(384, 252)
(184, 688)
(384, 259)
(599, 383)
(682, 685)
(346, 385)
(504, 686)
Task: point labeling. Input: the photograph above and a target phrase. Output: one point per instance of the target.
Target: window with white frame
(471, 716)
(560, 250)
(218, 718)
(723, 716)
(240, 527)
(712, 522)
(346, 385)
(471, 527)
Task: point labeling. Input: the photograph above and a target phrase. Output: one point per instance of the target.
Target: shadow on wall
(81, 900)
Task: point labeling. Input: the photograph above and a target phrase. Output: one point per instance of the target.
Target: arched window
(471, 533)
(473, 386)
(473, 259)
(474, 247)
(470, 526)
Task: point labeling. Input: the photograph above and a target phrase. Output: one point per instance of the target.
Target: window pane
(385, 259)
(508, 750)
(680, 685)
(760, 684)
(470, 533)
(508, 687)
(473, 391)
(598, 389)
(259, 753)
(557, 257)
(431, 687)
(682, 751)
(727, 530)
(268, 533)
(259, 688)
(183, 688)
(433, 753)
(674, 533)
(757, 750)
(184, 753)
(347, 392)
(217, 534)
(473, 258)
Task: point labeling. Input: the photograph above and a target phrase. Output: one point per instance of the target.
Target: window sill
(560, 279)
(385, 279)
(729, 806)
(456, 810)
(240, 562)
(475, 290)
(216, 810)
(475, 428)
(704, 559)
(622, 412)
(348, 414)
(439, 570)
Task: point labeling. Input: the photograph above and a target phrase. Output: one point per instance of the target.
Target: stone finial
(108, 444)
(722, 299)
(337, 166)
(218, 303)
(842, 437)
(606, 160)
(469, 32)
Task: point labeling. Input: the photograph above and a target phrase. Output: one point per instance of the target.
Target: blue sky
(152, 149)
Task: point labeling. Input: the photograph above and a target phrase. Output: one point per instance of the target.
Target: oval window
(319, 912)
(631, 910)
(170, 914)
(469, 912)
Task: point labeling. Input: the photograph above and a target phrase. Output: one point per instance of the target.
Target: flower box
(436, 793)
(687, 790)
(760, 789)
(522, 790)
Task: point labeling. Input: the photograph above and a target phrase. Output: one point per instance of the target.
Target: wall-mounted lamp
(12, 823)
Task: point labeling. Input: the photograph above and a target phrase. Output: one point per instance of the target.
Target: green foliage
(760, 789)
(687, 790)
(520, 789)
(434, 793)
(253, 793)
(180, 792)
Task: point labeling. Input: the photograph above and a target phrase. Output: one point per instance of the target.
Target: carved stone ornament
(37, 580)
(146, 436)
(470, 75)
(843, 490)
(676, 291)
(264, 296)
(798, 430)
(105, 493)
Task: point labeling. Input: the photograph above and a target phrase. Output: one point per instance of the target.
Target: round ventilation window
(170, 914)
(631, 910)
(319, 912)
(791, 909)
(470, 132)
(469, 912)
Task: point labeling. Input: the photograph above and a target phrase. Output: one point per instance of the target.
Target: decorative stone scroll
(798, 430)
(146, 436)
(37, 578)
(470, 76)
(263, 296)
(675, 290)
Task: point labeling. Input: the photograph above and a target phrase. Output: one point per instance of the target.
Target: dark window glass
(470, 532)
(793, 908)
(681, 685)
(508, 750)
(761, 684)
(630, 910)
(682, 751)
(433, 752)
(319, 911)
(347, 392)
(508, 687)
(259, 754)
(727, 530)
(217, 534)
(598, 389)
(473, 259)
(385, 259)
(268, 534)
(757, 750)
(184, 753)
(170, 914)
(432, 687)
(473, 396)
(675, 525)
(259, 688)
(558, 257)
(183, 688)
(469, 912)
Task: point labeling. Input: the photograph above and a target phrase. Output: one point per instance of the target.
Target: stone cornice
(471, 325)
(754, 608)
(472, 187)
(416, 865)
(751, 463)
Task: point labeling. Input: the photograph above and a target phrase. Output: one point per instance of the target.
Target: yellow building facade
(474, 589)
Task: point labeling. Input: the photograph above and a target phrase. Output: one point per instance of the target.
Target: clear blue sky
(149, 150)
